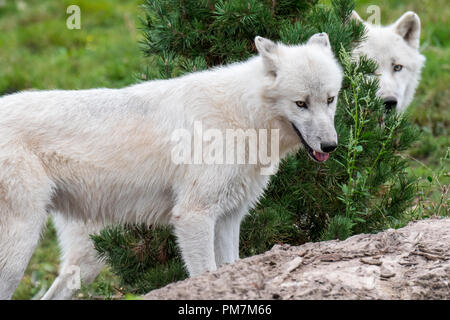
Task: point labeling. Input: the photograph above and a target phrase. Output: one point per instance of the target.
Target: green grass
(38, 51)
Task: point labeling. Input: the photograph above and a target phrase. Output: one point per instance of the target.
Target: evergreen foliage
(132, 250)
(363, 187)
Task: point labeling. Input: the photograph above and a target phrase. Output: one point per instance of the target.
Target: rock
(409, 263)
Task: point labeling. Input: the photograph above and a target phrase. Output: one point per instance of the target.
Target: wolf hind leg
(19, 237)
(79, 262)
(25, 194)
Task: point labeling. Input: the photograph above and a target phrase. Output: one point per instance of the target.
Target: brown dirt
(408, 263)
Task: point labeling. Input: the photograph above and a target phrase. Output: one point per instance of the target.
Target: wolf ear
(355, 16)
(408, 27)
(320, 39)
(268, 50)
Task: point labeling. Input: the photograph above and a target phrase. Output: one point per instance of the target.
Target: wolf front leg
(195, 236)
(226, 241)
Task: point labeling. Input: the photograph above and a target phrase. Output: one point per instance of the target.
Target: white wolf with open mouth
(394, 47)
(104, 155)
(396, 50)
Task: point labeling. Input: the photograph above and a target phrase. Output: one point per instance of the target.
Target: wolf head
(395, 48)
(302, 84)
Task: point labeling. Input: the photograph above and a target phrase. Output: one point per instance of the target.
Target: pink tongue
(321, 156)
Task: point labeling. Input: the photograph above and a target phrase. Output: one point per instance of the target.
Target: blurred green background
(38, 51)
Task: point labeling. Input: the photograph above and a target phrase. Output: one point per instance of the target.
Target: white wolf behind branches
(394, 47)
(105, 155)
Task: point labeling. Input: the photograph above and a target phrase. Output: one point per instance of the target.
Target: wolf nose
(390, 103)
(328, 147)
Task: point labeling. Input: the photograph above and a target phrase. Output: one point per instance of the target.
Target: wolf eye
(398, 67)
(301, 104)
(330, 100)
